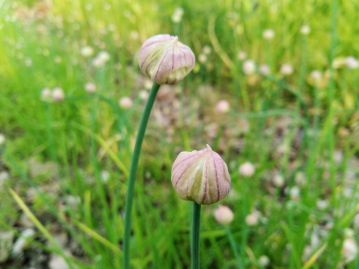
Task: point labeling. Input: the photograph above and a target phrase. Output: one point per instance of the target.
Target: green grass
(284, 125)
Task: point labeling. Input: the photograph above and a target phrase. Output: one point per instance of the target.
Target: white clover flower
(352, 62)
(58, 94)
(223, 215)
(87, 51)
(249, 67)
(253, 218)
(286, 69)
(90, 87)
(278, 180)
(305, 29)
(263, 261)
(101, 59)
(207, 50)
(222, 106)
(202, 58)
(247, 169)
(349, 250)
(268, 34)
(242, 55)
(2, 139)
(264, 69)
(177, 15)
(125, 102)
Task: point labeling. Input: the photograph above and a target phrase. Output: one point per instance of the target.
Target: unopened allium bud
(201, 176)
(165, 60)
(223, 215)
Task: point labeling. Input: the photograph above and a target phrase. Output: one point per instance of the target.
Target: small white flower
(249, 67)
(148, 84)
(264, 69)
(90, 87)
(177, 15)
(286, 69)
(263, 261)
(278, 180)
(242, 55)
(143, 95)
(4, 176)
(349, 250)
(125, 102)
(207, 50)
(2, 139)
(202, 58)
(322, 204)
(101, 59)
(253, 218)
(46, 94)
(105, 176)
(316, 75)
(222, 106)
(223, 215)
(58, 94)
(352, 63)
(268, 34)
(294, 193)
(86, 51)
(305, 29)
(246, 169)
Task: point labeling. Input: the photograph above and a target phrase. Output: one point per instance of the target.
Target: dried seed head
(165, 60)
(201, 176)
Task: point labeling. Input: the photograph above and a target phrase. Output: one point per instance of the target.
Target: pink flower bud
(165, 60)
(223, 215)
(201, 176)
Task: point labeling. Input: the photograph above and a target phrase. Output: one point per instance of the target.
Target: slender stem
(232, 241)
(133, 171)
(196, 220)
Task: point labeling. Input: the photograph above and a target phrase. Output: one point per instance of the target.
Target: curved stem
(196, 220)
(133, 171)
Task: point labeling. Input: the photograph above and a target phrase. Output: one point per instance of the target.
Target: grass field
(274, 91)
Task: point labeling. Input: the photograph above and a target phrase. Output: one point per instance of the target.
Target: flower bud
(223, 215)
(165, 60)
(201, 176)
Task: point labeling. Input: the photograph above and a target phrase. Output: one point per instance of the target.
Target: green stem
(195, 235)
(133, 171)
(232, 241)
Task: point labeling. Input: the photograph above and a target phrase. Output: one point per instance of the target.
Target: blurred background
(274, 91)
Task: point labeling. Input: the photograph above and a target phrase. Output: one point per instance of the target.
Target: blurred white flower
(206, 50)
(125, 102)
(246, 169)
(223, 215)
(294, 193)
(86, 51)
(202, 58)
(263, 261)
(349, 250)
(286, 69)
(264, 69)
(242, 55)
(2, 139)
(46, 94)
(352, 62)
(253, 218)
(90, 87)
(28, 62)
(316, 75)
(4, 176)
(268, 34)
(249, 67)
(222, 106)
(278, 180)
(143, 95)
(134, 35)
(148, 84)
(322, 204)
(177, 15)
(58, 94)
(105, 176)
(300, 178)
(305, 29)
(356, 221)
(101, 59)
